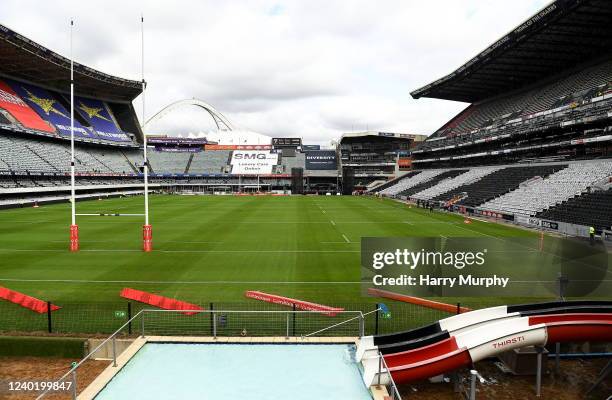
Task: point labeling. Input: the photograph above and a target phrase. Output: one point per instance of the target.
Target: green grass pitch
(210, 248)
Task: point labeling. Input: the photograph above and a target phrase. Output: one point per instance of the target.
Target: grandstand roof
(560, 36)
(416, 138)
(27, 60)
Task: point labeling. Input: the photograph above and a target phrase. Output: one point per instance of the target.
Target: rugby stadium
(133, 263)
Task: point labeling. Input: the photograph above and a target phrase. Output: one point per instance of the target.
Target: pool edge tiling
(97, 387)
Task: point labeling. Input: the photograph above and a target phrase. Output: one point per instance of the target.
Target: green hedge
(20, 346)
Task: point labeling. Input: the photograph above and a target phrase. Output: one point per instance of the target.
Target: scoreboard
(286, 142)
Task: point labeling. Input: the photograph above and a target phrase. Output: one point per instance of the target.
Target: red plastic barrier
(286, 301)
(26, 301)
(436, 305)
(158, 301)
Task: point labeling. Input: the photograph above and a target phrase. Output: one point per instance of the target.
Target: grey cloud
(312, 68)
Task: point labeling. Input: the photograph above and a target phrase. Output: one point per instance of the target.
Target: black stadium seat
(497, 184)
(432, 182)
(394, 181)
(590, 209)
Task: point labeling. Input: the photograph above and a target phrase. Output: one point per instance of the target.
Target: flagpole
(74, 229)
(147, 234)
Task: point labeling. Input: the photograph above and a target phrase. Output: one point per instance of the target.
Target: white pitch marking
(332, 222)
(345, 238)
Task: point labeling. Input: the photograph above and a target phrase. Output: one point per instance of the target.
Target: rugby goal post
(147, 231)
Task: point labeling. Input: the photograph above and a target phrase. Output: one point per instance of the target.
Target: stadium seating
(21, 154)
(410, 181)
(393, 182)
(166, 162)
(573, 88)
(537, 195)
(449, 184)
(496, 184)
(210, 162)
(20, 158)
(409, 192)
(590, 209)
(8, 182)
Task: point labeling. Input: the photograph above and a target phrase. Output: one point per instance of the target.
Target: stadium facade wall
(553, 226)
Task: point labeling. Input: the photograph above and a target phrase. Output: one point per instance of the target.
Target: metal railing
(391, 387)
(157, 322)
(72, 373)
(361, 318)
(288, 323)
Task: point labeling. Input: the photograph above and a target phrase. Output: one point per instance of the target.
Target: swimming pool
(244, 371)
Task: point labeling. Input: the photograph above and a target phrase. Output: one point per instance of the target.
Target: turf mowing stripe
(179, 222)
(480, 233)
(277, 223)
(180, 251)
(179, 282)
(182, 241)
(112, 241)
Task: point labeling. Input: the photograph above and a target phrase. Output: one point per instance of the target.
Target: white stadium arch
(221, 121)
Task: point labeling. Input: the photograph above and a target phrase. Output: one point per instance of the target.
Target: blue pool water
(238, 371)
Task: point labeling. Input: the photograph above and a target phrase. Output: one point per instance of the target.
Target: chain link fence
(104, 318)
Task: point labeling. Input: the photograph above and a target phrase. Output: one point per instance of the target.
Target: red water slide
(486, 340)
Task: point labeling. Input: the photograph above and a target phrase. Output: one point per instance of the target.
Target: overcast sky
(309, 68)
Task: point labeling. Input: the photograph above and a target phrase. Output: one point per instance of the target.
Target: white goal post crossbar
(109, 215)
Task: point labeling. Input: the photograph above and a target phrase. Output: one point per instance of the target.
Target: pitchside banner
(321, 160)
(253, 162)
(489, 267)
(178, 149)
